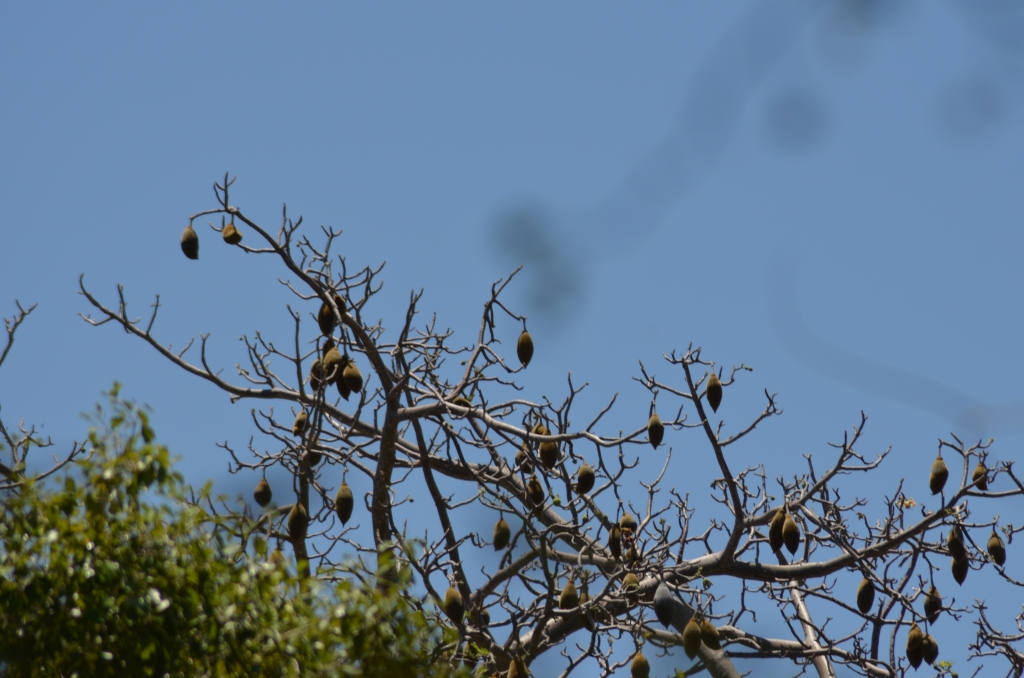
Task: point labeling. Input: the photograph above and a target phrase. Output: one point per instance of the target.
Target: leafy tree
(112, 570)
(580, 561)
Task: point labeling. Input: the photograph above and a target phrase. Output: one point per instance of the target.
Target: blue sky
(829, 194)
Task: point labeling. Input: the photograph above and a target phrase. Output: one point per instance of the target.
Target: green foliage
(111, 572)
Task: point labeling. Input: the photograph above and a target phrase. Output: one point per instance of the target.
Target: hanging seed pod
(325, 318)
(709, 635)
(865, 595)
(663, 604)
(517, 669)
(548, 453)
(502, 534)
(232, 235)
(955, 544)
(569, 598)
(691, 637)
(299, 427)
(588, 622)
(453, 606)
(939, 475)
(277, 558)
(960, 568)
(655, 430)
(312, 457)
(190, 243)
(353, 377)
(485, 617)
(630, 582)
(585, 479)
(714, 391)
(523, 460)
(791, 534)
(914, 640)
(615, 541)
(996, 549)
(541, 430)
(263, 493)
(639, 667)
(316, 374)
(343, 390)
(628, 522)
(524, 348)
(775, 529)
(536, 492)
(462, 401)
(932, 605)
(333, 364)
(298, 521)
(929, 649)
(980, 477)
(344, 502)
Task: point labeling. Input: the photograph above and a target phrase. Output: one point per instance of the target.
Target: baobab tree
(573, 566)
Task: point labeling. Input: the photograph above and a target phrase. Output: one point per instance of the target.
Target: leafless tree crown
(580, 567)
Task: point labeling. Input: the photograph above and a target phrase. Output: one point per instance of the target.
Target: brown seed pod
(299, 426)
(691, 637)
(628, 522)
(548, 453)
(996, 549)
(352, 376)
(655, 430)
(332, 364)
(980, 477)
(502, 534)
(517, 669)
(312, 457)
(932, 605)
(630, 582)
(639, 667)
(263, 494)
(709, 635)
(865, 595)
(277, 558)
(190, 243)
(536, 492)
(791, 534)
(929, 649)
(344, 502)
(939, 474)
(462, 401)
(523, 460)
(298, 521)
(485, 617)
(524, 348)
(325, 318)
(231, 235)
(615, 541)
(960, 568)
(453, 605)
(775, 529)
(343, 390)
(568, 598)
(914, 639)
(714, 391)
(955, 544)
(541, 430)
(316, 374)
(585, 479)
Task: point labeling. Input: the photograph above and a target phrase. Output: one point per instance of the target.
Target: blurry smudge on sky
(969, 415)
(557, 249)
(715, 103)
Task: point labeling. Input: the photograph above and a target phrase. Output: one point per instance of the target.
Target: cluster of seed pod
(783, 530)
(921, 646)
(190, 240)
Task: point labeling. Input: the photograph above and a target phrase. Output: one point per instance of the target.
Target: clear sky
(828, 192)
